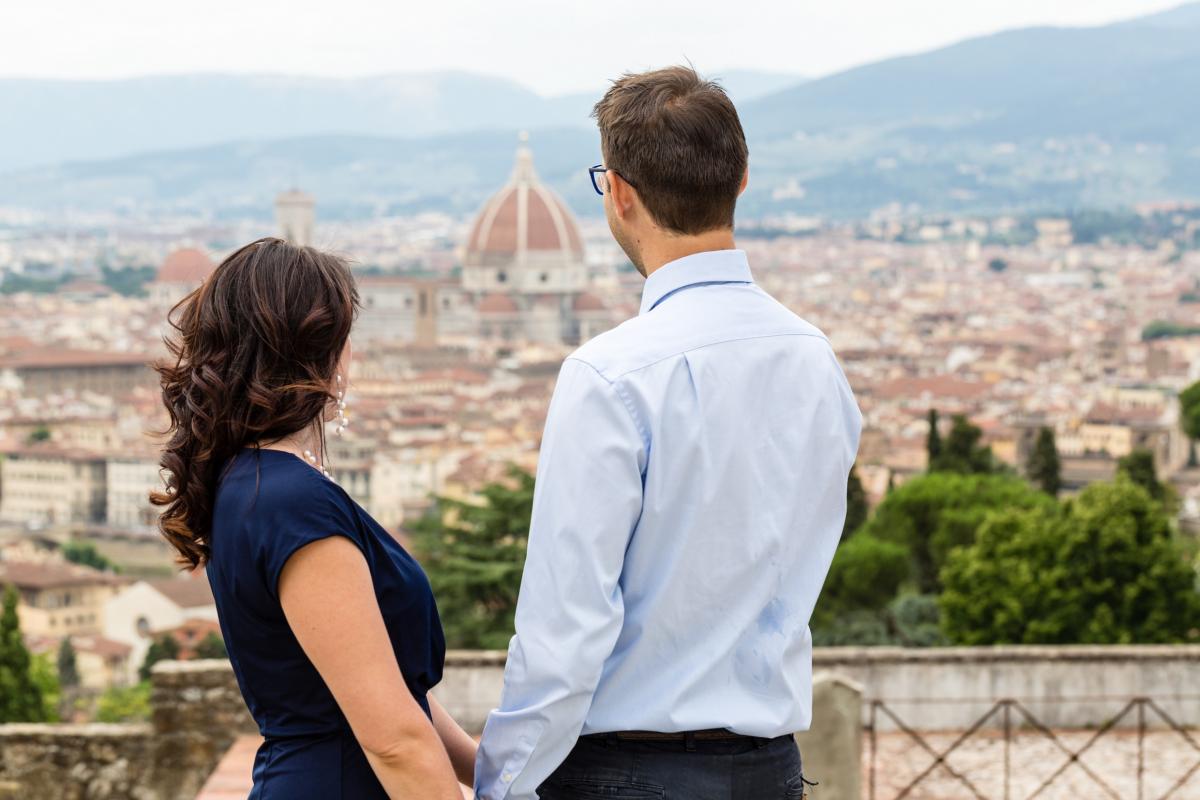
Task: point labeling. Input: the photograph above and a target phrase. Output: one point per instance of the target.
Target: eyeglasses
(600, 179)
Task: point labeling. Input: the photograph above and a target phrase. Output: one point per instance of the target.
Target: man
(691, 491)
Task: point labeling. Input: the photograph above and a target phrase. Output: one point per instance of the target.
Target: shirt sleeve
(311, 511)
(587, 502)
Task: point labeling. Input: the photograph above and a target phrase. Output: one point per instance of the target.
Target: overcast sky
(553, 46)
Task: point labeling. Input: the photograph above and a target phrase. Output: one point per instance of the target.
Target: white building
(295, 214)
(138, 612)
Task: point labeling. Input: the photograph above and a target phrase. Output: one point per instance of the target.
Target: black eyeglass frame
(599, 169)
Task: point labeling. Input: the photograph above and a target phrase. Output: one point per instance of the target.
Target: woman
(330, 625)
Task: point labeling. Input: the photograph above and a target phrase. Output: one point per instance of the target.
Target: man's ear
(745, 180)
(622, 195)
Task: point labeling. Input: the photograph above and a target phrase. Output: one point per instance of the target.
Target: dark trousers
(603, 767)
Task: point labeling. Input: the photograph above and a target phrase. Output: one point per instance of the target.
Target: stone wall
(1063, 686)
(197, 711)
(946, 688)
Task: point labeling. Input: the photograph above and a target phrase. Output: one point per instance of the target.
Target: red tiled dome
(524, 216)
(188, 265)
(497, 304)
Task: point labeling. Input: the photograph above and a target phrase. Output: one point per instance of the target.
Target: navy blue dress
(268, 505)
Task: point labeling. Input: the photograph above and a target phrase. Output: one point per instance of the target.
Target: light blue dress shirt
(691, 492)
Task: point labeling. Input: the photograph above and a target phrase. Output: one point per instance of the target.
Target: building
(129, 481)
(101, 663)
(60, 599)
(146, 609)
(182, 272)
(524, 278)
(42, 370)
(45, 485)
(295, 214)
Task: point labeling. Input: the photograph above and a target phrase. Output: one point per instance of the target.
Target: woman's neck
(305, 444)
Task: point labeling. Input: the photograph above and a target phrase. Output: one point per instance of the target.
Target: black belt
(689, 738)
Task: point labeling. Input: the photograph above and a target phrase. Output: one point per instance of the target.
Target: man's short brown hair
(677, 139)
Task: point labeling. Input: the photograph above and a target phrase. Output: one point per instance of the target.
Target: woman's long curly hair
(253, 359)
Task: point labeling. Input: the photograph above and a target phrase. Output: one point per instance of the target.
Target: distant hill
(1032, 119)
(77, 120)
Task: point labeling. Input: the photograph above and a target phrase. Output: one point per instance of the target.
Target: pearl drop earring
(342, 422)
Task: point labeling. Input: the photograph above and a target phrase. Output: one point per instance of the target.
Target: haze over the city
(530, 41)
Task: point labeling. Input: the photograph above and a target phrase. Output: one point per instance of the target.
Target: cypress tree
(1043, 466)
(20, 697)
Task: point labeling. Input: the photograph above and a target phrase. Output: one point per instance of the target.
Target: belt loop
(689, 741)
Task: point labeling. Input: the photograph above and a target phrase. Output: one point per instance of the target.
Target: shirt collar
(713, 266)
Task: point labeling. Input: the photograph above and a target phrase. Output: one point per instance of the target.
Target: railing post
(832, 748)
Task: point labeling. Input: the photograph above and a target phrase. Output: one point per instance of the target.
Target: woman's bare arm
(459, 745)
(329, 601)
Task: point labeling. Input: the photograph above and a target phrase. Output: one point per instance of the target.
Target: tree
(68, 670)
(124, 704)
(1139, 467)
(962, 452)
(1103, 569)
(39, 434)
(856, 504)
(1189, 407)
(865, 575)
(164, 648)
(44, 675)
(1043, 466)
(20, 696)
(474, 555)
(997, 265)
(933, 440)
(211, 646)
(85, 553)
(932, 514)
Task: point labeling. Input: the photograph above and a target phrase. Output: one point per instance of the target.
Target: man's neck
(666, 249)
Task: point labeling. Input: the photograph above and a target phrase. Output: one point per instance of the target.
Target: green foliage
(125, 704)
(933, 440)
(21, 698)
(865, 575)
(1159, 329)
(164, 648)
(997, 265)
(39, 434)
(1044, 467)
(1103, 569)
(13, 284)
(1189, 404)
(130, 282)
(85, 553)
(68, 669)
(45, 677)
(1139, 467)
(474, 555)
(962, 452)
(211, 646)
(932, 514)
(856, 504)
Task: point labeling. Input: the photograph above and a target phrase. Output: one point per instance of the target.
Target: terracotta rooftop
(37, 576)
(188, 265)
(51, 357)
(188, 592)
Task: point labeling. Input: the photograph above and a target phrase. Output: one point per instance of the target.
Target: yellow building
(60, 599)
(46, 485)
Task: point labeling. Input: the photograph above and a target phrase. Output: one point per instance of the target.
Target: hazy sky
(552, 46)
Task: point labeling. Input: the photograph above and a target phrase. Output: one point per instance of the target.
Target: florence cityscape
(1007, 267)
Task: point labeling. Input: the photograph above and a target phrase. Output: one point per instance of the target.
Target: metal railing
(1013, 719)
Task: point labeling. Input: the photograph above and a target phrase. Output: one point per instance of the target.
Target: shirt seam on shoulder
(702, 347)
(620, 393)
